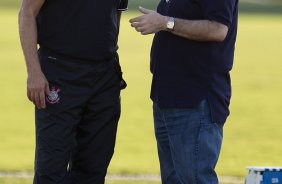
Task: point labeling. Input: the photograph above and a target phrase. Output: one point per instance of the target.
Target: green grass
(8, 180)
(250, 6)
(252, 134)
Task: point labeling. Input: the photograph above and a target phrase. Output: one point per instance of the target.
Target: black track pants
(75, 134)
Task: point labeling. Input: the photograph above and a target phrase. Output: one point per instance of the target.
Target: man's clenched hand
(150, 22)
(37, 89)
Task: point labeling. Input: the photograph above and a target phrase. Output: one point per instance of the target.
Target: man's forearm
(37, 84)
(28, 36)
(200, 30)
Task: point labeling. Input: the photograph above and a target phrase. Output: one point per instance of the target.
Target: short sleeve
(123, 5)
(219, 10)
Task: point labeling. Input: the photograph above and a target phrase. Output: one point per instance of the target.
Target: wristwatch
(170, 23)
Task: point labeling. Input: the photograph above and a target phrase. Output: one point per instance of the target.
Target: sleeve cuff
(220, 20)
(123, 6)
(122, 9)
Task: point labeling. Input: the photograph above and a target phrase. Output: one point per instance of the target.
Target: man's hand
(150, 22)
(37, 89)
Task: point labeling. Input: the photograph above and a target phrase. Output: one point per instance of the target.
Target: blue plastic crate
(264, 175)
(271, 177)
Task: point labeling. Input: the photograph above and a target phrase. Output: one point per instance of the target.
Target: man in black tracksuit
(74, 80)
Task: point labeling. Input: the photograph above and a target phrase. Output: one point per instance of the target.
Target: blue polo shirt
(185, 71)
(85, 29)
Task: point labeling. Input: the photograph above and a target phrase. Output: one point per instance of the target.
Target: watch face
(170, 23)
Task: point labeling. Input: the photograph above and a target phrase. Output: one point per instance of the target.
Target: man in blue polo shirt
(74, 80)
(191, 57)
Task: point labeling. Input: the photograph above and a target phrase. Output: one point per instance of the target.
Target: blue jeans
(189, 144)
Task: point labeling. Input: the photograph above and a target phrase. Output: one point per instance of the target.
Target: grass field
(253, 133)
(250, 6)
(29, 181)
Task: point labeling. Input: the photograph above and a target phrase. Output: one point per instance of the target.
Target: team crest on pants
(53, 97)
